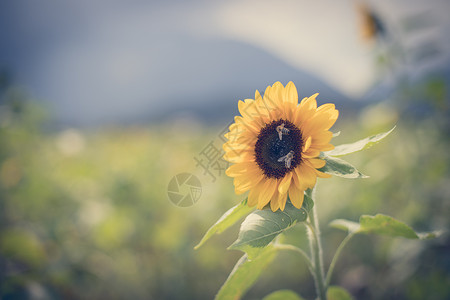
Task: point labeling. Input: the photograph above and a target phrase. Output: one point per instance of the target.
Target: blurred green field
(84, 214)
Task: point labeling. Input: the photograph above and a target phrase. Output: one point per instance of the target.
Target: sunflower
(274, 146)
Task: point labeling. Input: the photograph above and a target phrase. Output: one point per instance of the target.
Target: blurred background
(102, 103)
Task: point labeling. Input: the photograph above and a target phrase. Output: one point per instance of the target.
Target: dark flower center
(278, 149)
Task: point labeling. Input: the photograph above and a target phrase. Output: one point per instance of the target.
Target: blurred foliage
(84, 214)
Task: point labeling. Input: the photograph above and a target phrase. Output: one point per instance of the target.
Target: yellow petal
(245, 182)
(307, 144)
(296, 195)
(234, 157)
(310, 102)
(307, 175)
(282, 201)
(289, 109)
(322, 175)
(305, 110)
(270, 185)
(233, 150)
(254, 194)
(241, 106)
(327, 107)
(317, 163)
(241, 139)
(271, 102)
(267, 102)
(311, 152)
(296, 179)
(278, 93)
(322, 137)
(290, 93)
(257, 96)
(247, 124)
(240, 191)
(285, 182)
(249, 110)
(274, 203)
(302, 185)
(320, 121)
(241, 168)
(240, 135)
(326, 147)
(325, 121)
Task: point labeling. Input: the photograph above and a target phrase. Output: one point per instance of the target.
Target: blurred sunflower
(371, 26)
(275, 144)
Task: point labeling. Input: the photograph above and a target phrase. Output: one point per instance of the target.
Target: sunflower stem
(316, 250)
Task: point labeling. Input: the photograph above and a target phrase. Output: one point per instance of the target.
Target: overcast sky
(107, 60)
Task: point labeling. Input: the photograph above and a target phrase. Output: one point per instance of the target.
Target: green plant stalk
(335, 258)
(316, 252)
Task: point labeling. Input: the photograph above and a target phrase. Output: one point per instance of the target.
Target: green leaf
(338, 293)
(283, 295)
(366, 143)
(262, 226)
(382, 225)
(244, 275)
(338, 167)
(386, 225)
(228, 219)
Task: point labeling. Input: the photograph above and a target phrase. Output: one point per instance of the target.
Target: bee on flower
(287, 159)
(282, 131)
